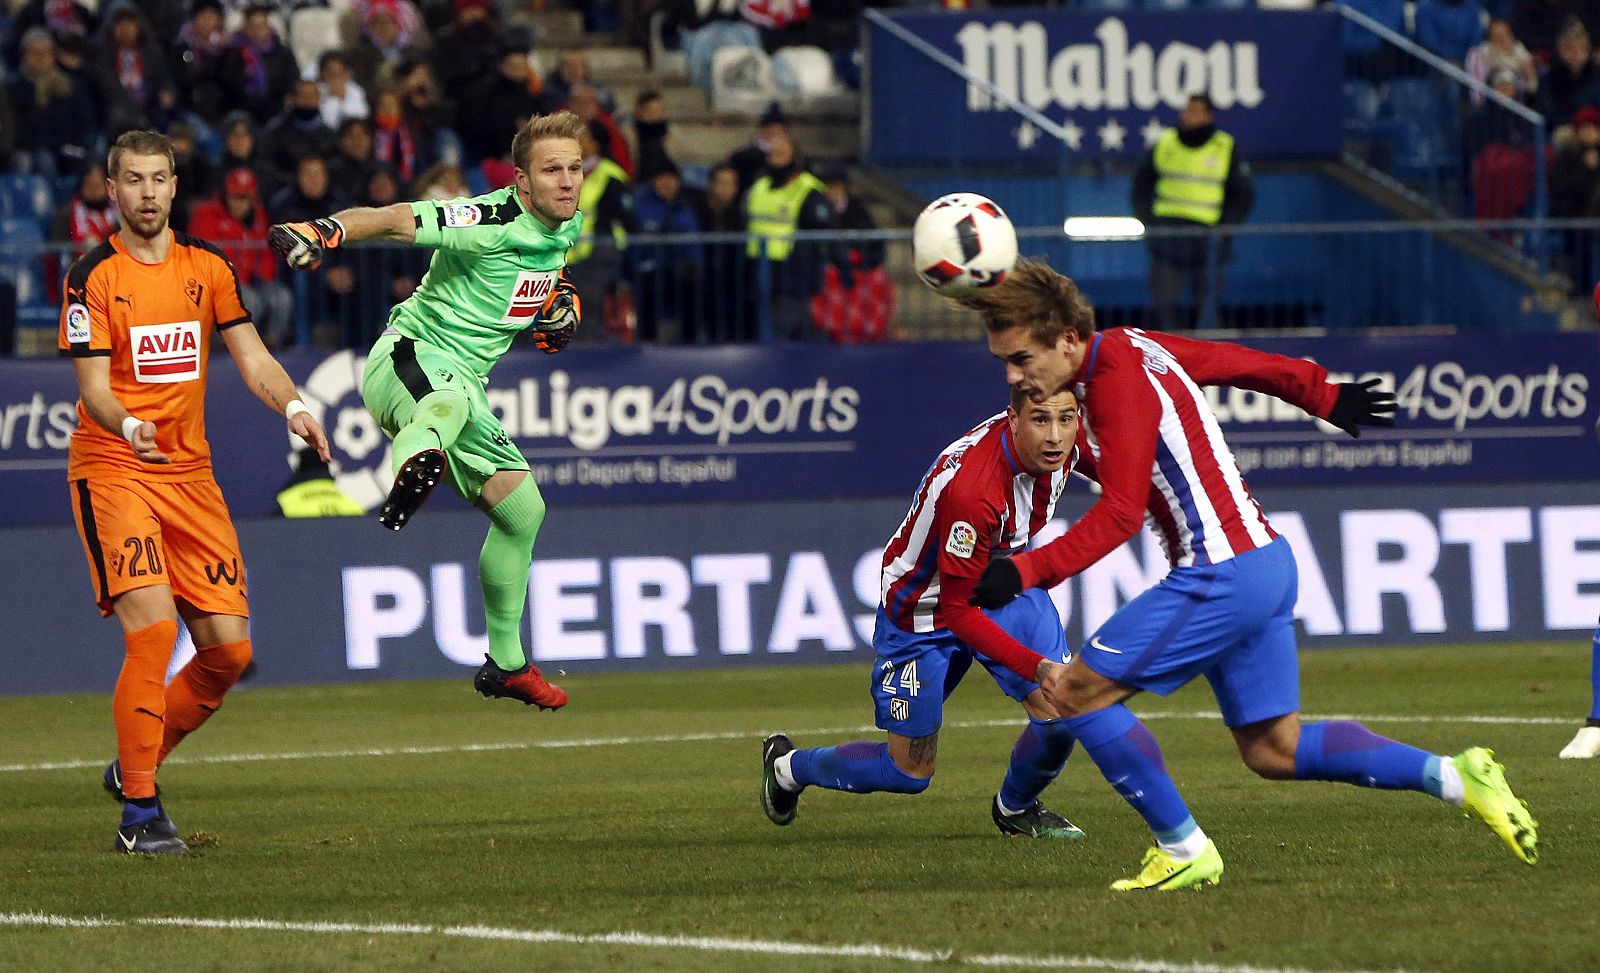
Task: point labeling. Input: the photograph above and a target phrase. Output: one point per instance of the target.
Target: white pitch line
(622, 741)
(703, 944)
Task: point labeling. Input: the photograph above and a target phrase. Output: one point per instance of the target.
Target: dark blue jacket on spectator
(1449, 28)
(652, 214)
(1389, 13)
(65, 125)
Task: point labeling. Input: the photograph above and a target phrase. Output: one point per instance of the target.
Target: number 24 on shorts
(906, 680)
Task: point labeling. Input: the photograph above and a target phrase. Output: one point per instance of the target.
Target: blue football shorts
(916, 672)
(1231, 622)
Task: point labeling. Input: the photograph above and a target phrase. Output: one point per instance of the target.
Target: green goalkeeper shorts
(400, 371)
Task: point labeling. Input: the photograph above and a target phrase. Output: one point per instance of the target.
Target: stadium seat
(312, 32)
(696, 175)
(23, 195)
(1362, 102)
(741, 80)
(803, 72)
(702, 46)
(21, 240)
(1415, 98)
(663, 59)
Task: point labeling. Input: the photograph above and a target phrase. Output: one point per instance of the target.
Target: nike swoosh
(128, 843)
(1103, 647)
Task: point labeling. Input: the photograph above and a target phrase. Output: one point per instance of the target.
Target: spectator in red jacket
(237, 222)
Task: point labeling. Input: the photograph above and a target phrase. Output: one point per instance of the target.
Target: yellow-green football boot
(1486, 794)
(1162, 873)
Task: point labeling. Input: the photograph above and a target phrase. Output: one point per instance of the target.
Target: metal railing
(861, 286)
(1453, 143)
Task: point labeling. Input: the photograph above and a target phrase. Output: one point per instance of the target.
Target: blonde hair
(558, 125)
(139, 142)
(1033, 296)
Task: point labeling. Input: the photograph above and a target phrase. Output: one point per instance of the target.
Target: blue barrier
(620, 588)
(788, 422)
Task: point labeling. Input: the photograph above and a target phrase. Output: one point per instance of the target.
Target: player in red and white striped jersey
(987, 494)
(1226, 610)
(976, 500)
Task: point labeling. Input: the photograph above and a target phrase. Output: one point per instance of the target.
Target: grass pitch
(414, 826)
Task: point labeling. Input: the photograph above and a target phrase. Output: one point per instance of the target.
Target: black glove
(1362, 404)
(999, 583)
(302, 244)
(558, 319)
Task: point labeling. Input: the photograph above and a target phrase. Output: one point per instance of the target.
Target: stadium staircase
(700, 135)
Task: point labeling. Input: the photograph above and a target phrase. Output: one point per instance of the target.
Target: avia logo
(164, 353)
(528, 296)
(223, 572)
(1108, 75)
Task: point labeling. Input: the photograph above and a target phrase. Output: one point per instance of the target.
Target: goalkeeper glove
(303, 244)
(1362, 404)
(999, 583)
(558, 319)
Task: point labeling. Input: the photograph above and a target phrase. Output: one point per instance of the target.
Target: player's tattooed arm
(265, 392)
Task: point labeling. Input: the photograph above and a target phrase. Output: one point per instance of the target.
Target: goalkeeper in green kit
(496, 272)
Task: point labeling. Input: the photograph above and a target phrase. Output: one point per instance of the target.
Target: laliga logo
(360, 450)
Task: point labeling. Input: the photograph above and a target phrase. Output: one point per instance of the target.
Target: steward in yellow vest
(787, 198)
(1193, 178)
(600, 197)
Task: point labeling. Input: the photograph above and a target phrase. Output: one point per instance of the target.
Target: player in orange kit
(137, 320)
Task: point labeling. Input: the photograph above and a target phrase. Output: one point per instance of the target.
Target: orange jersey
(154, 321)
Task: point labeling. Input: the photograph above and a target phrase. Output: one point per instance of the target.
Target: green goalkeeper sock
(435, 423)
(503, 570)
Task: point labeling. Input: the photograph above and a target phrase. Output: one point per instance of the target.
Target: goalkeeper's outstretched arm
(304, 244)
(396, 223)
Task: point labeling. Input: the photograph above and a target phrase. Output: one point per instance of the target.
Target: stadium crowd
(389, 100)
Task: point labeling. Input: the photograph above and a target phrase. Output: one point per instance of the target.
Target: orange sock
(197, 690)
(138, 706)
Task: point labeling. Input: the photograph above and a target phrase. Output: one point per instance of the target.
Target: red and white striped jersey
(1156, 448)
(974, 503)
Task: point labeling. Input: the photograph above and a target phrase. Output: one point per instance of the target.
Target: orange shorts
(137, 533)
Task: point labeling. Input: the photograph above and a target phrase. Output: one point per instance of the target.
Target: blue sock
(1594, 678)
(1131, 761)
(859, 767)
(1036, 759)
(140, 812)
(1349, 752)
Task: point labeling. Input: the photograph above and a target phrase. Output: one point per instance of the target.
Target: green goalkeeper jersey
(494, 266)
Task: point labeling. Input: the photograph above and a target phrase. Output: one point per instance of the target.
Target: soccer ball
(963, 241)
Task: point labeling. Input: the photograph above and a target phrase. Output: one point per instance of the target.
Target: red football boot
(525, 684)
